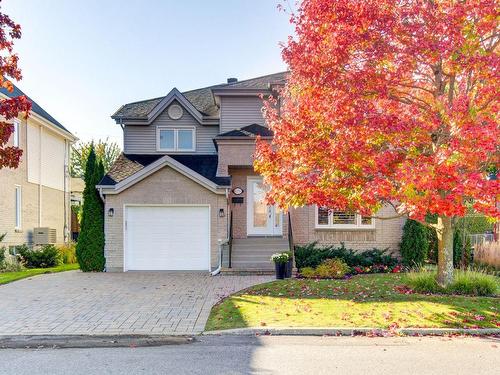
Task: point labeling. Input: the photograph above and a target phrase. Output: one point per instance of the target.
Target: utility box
(44, 236)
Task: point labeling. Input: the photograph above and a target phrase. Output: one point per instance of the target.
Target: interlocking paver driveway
(114, 303)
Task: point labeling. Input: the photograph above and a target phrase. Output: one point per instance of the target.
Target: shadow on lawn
(367, 300)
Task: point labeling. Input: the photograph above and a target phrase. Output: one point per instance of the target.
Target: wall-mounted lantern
(221, 212)
(111, 212)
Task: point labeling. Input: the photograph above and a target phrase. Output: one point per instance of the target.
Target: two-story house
(36, 194)
(185, 183)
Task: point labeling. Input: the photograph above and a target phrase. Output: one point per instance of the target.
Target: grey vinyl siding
(239, 111)
(141, 139)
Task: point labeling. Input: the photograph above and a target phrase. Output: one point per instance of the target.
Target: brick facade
(165, 186)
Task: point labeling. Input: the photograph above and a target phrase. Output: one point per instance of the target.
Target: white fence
(477, 239)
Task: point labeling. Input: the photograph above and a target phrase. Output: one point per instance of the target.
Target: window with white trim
(327, 218)
(176, 139)
(18, 207)
(15, 133)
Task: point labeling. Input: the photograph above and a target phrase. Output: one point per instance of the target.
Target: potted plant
(280, 260)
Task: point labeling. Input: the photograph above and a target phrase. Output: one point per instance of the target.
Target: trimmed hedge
(312, 256)
(46, 257)
(414, 246)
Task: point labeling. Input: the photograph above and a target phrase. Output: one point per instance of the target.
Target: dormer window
(176, 139)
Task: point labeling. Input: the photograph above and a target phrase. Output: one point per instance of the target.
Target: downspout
(101, 194)
(222, 242)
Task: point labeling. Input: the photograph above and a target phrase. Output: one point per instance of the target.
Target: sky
(81, 60)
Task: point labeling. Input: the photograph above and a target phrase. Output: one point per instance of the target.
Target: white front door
(262, 219)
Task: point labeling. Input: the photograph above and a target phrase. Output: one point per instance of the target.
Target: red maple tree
(10, 107)
(389, 102)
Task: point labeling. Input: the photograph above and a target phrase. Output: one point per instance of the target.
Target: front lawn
(8, 277)
(376, 301)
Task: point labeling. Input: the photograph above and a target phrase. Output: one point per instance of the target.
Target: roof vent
(232, 80)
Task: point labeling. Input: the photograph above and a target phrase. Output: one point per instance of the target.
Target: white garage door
(167, 238)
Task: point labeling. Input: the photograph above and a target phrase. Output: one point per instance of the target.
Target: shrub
(46, 257)
(473, 283)
(466, 282)
(312, 256)
(462, 251)
(422, 281)
(308, 272)
(332, 269)
(433, 245)
(415, 244)
(90, 246)
(68, 253)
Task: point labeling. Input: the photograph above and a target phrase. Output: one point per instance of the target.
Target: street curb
(89, 341)
(346, 331)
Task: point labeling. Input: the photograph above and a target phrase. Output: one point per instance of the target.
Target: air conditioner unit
(44, 236)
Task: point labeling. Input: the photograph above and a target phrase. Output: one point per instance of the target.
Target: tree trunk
(445, 250)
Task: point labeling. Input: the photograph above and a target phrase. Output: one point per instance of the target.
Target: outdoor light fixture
(111, 212)
(221, 212)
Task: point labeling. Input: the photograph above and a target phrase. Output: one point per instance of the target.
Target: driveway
(114, 303)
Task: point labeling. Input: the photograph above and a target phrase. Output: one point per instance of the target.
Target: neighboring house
(36, 194)
(185, 183)
(77, 185)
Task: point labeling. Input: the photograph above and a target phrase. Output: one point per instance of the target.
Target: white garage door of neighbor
(167, 238)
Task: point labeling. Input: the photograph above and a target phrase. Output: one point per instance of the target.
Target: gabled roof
(35, 107)
(202, 99)
(251, 131)
(126, 165)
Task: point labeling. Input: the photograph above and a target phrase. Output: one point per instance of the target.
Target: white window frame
(330, 224)
(15, 134)
(176, 137)
(18, 204)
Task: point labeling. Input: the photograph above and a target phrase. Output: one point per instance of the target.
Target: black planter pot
(289, 267)
(280, 270)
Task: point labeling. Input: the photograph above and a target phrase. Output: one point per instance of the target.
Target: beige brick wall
(52, 202)
(236, 153)
(166, 186)
(387, 233)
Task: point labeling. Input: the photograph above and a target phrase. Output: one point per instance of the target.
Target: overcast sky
(81, 60)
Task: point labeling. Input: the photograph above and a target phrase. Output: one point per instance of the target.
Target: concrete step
(253, 265)
(243, 272)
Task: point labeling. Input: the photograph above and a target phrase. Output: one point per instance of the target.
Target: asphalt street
(269, 355)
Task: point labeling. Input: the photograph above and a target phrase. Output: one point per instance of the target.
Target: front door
(262, 219)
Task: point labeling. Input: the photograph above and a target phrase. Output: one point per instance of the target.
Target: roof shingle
(128, 164)
(35, 107)
(202, 99)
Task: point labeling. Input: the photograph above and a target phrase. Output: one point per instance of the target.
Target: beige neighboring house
(36, 194)
(77, 185)
(184, 194)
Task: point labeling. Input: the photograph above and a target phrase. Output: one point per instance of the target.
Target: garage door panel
(167, 238)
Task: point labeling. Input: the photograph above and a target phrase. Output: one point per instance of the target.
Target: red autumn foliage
(389, 102)
(12, 107)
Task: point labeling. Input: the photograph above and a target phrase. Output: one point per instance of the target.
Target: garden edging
(354, 331)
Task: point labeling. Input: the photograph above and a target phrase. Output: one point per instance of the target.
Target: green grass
(376, 301)
(8, 277)
(466, 282)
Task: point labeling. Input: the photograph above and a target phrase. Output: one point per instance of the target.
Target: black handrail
(290, 238)
(230, 242)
